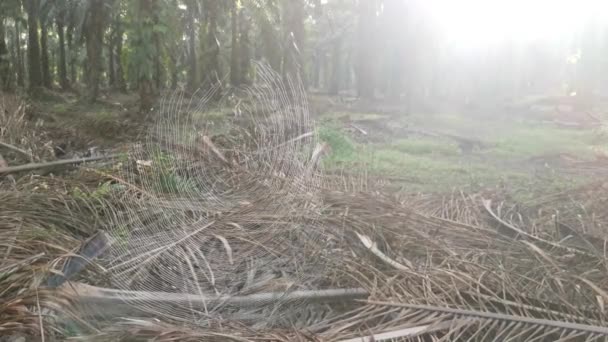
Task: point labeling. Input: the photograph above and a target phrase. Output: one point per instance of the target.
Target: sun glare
(478, 23)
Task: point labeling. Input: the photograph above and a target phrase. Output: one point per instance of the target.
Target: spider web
(226, 208)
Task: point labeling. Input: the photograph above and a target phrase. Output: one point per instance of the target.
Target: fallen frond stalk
(16, 149)
(412, 331)
(367, 242)
(36, 166)
(590, 329)
(103, 300)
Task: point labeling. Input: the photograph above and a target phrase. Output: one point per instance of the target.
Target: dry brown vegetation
(442, 266)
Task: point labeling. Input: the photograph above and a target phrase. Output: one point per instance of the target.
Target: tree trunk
(212, 74)
(62, 65)
(33, 47)
(173, 70)
(146, 76)
(120, 74)
(244, 48)
(271, 46)
(192, 72)
(293, 49)
(365, 50)
(111, 68)
(94, 43)
(158, 66)
(334, 82)
(44, 55)
(5, 69)
(71, 53)
(235, 74)
(20, 62)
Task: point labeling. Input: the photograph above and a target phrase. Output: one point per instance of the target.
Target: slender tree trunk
(5, 70)
(44, 55)
(62, 65)
(244, 47)
(158, 66)
(20, 62)
(235, 74)
(365, 50)
(212, 74)
(192, 72)
(33, 47)
(111, 68)
(334, 82)
(173, 71)
(71, 53)
(271, 46)
(293, 49)
(146, 76)
(120, 74)
(14, 62)
(94, 44)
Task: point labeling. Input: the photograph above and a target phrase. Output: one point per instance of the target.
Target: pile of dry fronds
(20, 139)
(238, 236)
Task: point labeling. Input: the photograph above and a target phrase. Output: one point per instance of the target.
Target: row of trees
(145, 45)
(386, 48)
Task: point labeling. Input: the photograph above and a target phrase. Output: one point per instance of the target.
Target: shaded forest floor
(521, 154)
(447, 196)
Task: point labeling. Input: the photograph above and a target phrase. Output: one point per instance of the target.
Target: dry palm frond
(20, 139)
(467, 325)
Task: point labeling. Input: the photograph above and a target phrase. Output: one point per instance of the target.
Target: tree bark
(71, 53)
(173, 71)
(121, 83)
(62, 65)
(334, 82)
(111, 68)
(5, 71)
(244, 47)
(212, 74)
(94, 44)
(293, 49)
(33, 47)
(116, 77)
(235, 74)
(365, 50)
(44, 55)
(271, 46)
(158, 66)
(192, 72)
(19, 62)
(146, 77)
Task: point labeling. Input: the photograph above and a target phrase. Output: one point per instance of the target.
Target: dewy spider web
(226, 208)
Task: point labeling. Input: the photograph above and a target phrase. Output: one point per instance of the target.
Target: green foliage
(102, 191)
(145, 31)
(166, 180)
(341, 145)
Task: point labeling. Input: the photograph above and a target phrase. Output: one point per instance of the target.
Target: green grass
(526, 142)
(420, 146)
(437, 165)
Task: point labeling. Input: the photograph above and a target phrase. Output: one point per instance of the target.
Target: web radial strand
(225, 204)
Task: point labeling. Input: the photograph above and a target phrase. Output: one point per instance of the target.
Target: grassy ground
(515, 155)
